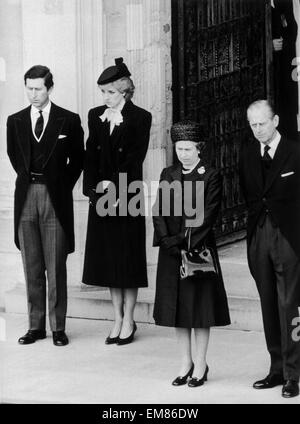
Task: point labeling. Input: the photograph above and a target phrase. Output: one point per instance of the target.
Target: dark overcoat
(168, 277)
(281, 192)
(63, 163)
(115, 252)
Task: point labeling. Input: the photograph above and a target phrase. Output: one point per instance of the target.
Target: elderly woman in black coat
(198, 301)
(115, 254)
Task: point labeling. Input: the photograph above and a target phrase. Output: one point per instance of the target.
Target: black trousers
(276, 270)
(44, 250)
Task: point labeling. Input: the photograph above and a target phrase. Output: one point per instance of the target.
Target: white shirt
(273, 145)
(34, 115)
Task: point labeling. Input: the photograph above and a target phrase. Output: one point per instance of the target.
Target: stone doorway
(221, 60)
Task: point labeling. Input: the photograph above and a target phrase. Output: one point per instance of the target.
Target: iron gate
(220, 60)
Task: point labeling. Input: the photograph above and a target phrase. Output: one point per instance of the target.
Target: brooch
(201, 170)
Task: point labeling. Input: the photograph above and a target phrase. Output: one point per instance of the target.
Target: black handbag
(197, 261)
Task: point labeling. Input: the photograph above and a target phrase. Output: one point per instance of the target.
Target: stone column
(11, 99)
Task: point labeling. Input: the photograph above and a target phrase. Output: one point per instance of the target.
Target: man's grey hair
(261, 104)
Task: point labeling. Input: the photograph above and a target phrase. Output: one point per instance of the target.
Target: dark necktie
(266, 155)
(39, 125)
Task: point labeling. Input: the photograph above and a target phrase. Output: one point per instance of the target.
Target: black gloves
(172, 244)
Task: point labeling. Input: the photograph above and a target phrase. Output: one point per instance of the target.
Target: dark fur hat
(187, 130)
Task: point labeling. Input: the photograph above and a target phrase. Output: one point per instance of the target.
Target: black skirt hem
(202, 326)
(114, 286)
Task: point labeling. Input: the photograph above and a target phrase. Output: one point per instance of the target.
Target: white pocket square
(287, 174)
(62, 136)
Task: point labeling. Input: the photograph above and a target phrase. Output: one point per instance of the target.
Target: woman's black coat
(115, 245)
(174, 226)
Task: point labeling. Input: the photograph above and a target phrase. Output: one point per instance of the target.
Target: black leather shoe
(179, 381)
(111, 340)
(290, 389)
(32, 336)
(196, 382)
(269, 382)
(60, 338)
(128, 339)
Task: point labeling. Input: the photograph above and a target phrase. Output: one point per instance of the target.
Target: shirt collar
(273, 145)
(46, 109)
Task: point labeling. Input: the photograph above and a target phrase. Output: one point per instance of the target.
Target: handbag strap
(189, 234)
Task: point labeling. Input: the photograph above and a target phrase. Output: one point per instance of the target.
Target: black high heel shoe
(179, 381)
(128, 339)
(196, 382)
(111, 340)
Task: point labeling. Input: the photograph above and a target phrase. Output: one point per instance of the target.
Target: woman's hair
(125, 86)
(201, 146)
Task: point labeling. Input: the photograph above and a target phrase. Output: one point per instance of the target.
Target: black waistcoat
(265, 166)
(37, 154)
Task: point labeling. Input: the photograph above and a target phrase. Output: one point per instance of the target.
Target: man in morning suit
(45, 147)
(270, 181)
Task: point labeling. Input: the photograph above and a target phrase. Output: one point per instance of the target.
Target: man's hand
(93, 196)
(277, 44)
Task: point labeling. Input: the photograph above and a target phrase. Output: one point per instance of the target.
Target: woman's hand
(171, 244)
(171, 241)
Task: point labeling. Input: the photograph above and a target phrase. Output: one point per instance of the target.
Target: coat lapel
(102, 128)
(255, 166)
(52, 131)
(282, 153)
(119, 130)
(176, 172)
(23, 127)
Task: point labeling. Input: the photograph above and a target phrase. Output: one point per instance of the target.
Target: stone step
(96, 304)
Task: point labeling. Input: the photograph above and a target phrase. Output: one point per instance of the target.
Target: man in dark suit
(284, 34)
(45, 147)
(270, 180)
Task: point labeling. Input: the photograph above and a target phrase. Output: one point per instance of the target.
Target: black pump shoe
(179, 381)
(111, 340)
(196, 382)
(128, 339)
